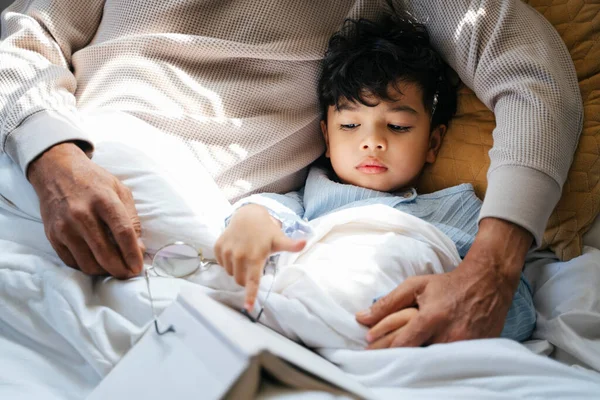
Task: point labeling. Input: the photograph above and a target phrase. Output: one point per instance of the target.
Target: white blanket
(354, 256)
(62, 331)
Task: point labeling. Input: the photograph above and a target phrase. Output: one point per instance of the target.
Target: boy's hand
(382, 335)
(245, 245)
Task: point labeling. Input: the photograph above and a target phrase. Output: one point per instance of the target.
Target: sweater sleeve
(517, 64)
(37, 82)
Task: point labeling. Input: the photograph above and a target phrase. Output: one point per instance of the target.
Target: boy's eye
(349, 126)
(399, 128)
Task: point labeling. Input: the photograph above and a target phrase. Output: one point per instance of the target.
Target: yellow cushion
(464, 156)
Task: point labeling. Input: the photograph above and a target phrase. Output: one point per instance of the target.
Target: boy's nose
(374, 142)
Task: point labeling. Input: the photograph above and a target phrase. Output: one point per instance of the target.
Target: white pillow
(176, 199)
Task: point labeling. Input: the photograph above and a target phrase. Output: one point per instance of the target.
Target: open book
(216, 352)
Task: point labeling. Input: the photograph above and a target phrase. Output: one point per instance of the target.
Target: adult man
(235, 80)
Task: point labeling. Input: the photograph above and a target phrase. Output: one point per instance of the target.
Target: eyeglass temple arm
(250, 317)
(272, 261)
(170, 328)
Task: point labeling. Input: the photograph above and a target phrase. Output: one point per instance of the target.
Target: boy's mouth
(371, 166)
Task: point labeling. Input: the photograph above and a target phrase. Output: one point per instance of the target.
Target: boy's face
(383, 147)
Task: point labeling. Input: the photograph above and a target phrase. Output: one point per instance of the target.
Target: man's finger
(129, 203)
(403, 296)
(64, 254)
(391, 323)
(416, 333)
(83, 256)
(114, 214)
(252, 281)
(104, 250)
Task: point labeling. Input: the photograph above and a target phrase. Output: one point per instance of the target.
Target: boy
(386, 101)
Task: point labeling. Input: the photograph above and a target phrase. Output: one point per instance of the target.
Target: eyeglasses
(180, 260)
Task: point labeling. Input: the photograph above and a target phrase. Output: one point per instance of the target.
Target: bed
(61, 332)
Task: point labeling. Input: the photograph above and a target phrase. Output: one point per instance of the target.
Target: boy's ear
(435, 141)
(326, 136)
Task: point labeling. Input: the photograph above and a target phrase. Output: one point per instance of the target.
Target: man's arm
(89, 216)
(518, 65)
(37, 85)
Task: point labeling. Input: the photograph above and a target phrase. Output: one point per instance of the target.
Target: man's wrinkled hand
(89, 216)
(451, 307)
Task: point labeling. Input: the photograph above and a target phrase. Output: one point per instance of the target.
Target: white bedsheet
(61, 331)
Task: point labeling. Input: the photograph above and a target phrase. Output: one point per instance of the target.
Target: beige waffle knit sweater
(236, 79)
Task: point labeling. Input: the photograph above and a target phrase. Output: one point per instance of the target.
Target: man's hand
(89, 215)
(470, 302)
(243, 248)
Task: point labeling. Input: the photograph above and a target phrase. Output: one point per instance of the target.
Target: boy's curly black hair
(365, 57)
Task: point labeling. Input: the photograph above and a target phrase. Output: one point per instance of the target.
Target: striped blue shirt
(454, 210)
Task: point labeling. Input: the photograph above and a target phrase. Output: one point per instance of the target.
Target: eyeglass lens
(176, 260)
